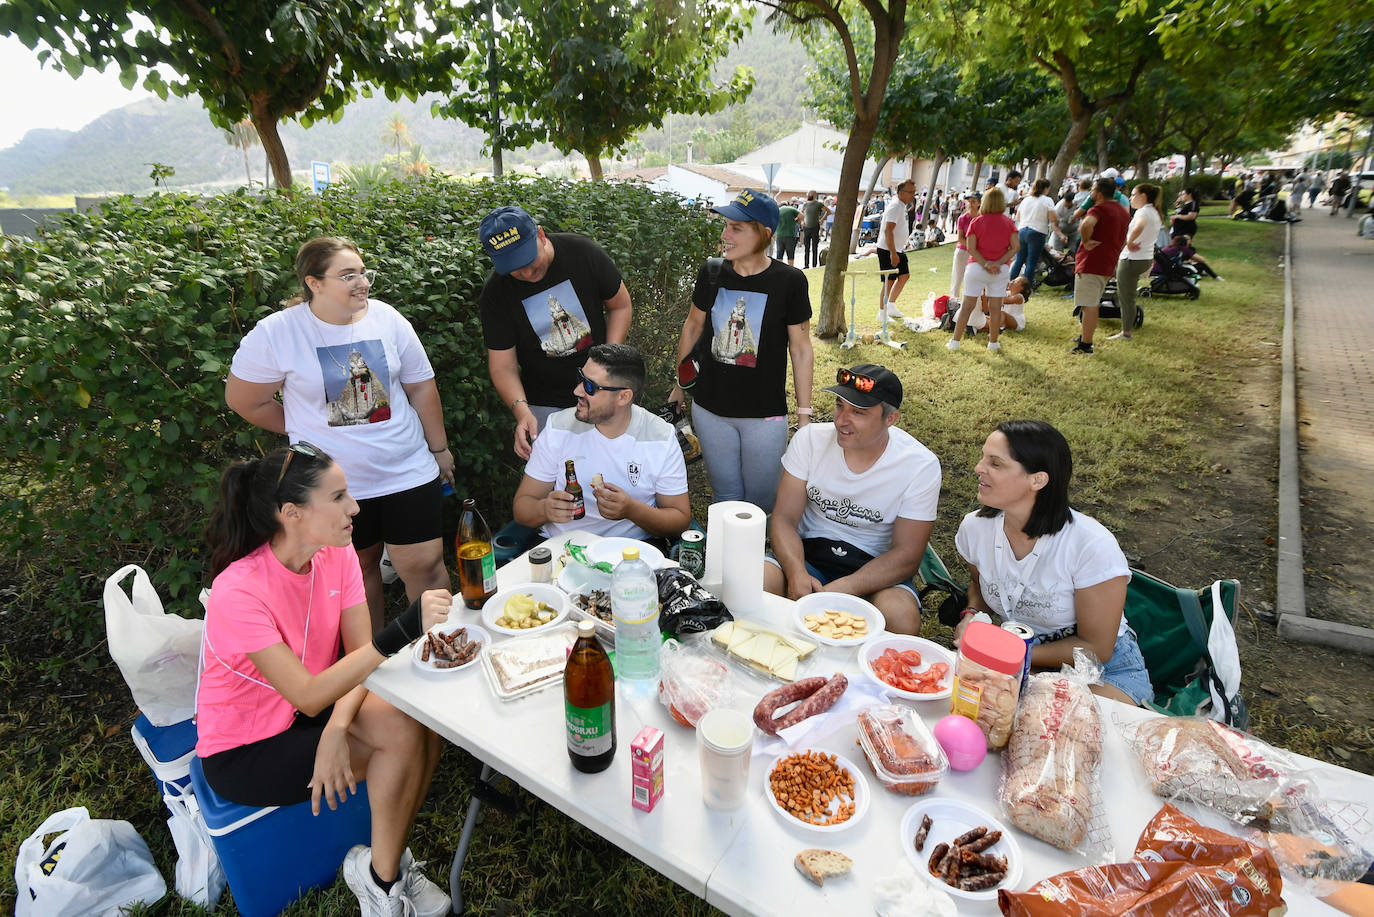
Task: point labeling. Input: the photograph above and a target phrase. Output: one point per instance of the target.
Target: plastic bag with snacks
(692, 680)
(1050, 784)
(685, 607)
(1265, 790)
(1180, 869)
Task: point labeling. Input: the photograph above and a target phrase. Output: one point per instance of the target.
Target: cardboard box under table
(275, 854)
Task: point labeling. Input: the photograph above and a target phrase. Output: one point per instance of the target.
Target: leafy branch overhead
(303, 59)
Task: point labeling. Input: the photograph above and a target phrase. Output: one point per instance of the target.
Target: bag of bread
(1265, 791)
(1180, 869)
(1049, 786)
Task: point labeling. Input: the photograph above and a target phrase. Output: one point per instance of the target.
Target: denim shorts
(909, 585)
(1126, 671)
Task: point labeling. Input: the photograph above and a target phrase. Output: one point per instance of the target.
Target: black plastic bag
(685, 607)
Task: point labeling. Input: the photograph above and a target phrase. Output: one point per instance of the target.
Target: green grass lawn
(1133, 413)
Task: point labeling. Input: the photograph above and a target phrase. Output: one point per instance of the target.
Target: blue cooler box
(168, 751)
(273, 855)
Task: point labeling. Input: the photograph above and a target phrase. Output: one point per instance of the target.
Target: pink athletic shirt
(994, 232)
(256, 602)
(961, 225)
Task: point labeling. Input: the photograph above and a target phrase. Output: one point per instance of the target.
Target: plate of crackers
(836, 619)
(817, 790)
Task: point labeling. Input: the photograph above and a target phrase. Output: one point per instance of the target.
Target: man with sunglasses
(856, 503)
(626, 457)
(548, 298)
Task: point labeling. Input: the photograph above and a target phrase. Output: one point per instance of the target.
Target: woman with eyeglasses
(354, 377)
(1035, 560)
(748, 316)
(282, 717)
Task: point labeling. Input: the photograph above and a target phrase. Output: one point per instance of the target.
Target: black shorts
(271, 772)
(787, 247)
(885, 263)
(409, 517)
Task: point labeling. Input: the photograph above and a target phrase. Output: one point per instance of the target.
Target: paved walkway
(1333, 297)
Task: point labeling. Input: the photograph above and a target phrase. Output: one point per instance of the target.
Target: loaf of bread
(1050, 767)
(819, 865)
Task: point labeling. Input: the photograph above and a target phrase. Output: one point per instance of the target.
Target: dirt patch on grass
(1222, 522)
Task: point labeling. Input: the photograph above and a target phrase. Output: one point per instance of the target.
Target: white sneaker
(1120, 336)
(894, 312)
(427, 897)
(952, 344)
(994, 345)
(372, 901)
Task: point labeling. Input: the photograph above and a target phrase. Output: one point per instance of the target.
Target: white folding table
(741, 861)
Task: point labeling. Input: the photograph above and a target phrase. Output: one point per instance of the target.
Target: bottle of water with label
(634, 605)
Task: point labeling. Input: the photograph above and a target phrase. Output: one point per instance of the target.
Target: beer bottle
(476, 559)
(589, 702)
(579, 506)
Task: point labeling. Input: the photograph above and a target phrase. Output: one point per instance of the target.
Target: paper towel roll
(735, 533)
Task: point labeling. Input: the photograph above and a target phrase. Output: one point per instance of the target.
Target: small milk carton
(646, 775)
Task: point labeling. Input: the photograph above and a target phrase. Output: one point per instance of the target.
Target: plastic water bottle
(634, 605)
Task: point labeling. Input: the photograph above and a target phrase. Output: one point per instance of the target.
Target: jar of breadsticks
(987, 679)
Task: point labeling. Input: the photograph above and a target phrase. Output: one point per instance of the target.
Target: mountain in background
(115, 152)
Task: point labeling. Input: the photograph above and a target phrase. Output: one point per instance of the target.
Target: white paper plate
(474, 633)
(609, 550)
(542, 592)
(576, 578)
(931, 653)
(949, 819)
(861, 794)
(816, 603)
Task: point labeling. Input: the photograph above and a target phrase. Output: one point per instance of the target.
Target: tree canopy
(302, 59)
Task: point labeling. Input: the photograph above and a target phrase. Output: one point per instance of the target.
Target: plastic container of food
(987, 679)
(903, 754)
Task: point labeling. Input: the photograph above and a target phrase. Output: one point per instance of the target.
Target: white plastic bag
(157, 653)
(93, 867)
(199, 874)
(1221, 646)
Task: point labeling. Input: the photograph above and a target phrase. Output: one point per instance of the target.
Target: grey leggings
(743, 455)
(1128, 273)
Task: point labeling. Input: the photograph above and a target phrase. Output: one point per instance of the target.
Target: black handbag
(690, 367)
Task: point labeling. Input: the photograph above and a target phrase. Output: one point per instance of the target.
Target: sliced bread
(818, 865)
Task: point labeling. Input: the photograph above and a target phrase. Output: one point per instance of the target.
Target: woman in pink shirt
(281, 717)
(992, 244)
(956, 278)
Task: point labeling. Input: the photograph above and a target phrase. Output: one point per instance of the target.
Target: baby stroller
(1053, 271)
(1175, 278)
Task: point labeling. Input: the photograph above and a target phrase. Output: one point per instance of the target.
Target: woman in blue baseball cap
(749, 314)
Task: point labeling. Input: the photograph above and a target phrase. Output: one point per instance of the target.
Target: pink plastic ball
(963, 742)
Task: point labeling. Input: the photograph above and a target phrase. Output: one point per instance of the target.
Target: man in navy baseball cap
(549, 298)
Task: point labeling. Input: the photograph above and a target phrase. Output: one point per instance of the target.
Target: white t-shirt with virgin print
(860, 509)
(342, 391)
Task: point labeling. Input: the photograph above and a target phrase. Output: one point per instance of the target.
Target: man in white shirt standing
(627, 460)
(856, 503)
(892, 238)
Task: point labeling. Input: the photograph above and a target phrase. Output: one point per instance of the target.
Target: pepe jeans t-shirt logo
(842, 510)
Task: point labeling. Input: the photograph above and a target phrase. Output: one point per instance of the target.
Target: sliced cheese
(787, 670)
(761, 651)
(782, 655)
(741, 642)
(722, 634)
(804, 648)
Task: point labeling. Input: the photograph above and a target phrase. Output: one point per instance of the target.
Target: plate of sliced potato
(761, 650)
(521, 609)
(836, 619)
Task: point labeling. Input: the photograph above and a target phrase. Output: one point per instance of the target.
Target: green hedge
(1207, 184)
(117, 328)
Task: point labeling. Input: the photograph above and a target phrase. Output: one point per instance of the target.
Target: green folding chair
(938, 579)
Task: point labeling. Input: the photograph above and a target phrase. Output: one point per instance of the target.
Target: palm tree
(397, 131)
(242, 136)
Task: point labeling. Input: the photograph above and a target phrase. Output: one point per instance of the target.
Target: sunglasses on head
(591, 388)
(860, 382)
(295, 449)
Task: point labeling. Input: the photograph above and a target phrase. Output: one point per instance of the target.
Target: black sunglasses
(860, 382)
(295, 449)
(591, 388)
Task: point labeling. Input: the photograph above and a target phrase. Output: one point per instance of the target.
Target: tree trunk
(977, 170)
(594, 166)
(937, 163)
(247, 173)
(492, 92)
(863, 204)
(1187, 167)
(1073, 142)
(1102, 162)
(271, 143)
(830, 323)
(1142, 167)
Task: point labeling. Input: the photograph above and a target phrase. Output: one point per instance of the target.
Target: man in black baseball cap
(857, 502)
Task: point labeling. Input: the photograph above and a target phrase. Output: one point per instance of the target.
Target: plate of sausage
(449, 647)
(960, 848)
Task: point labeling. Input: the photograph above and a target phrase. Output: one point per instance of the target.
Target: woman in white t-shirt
(355, 379)
(1034, 560)
(1035, 219)
(1137, 254)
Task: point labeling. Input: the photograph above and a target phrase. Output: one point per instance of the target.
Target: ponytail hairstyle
(312, 259)
(1151, 193)
(251, 492)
